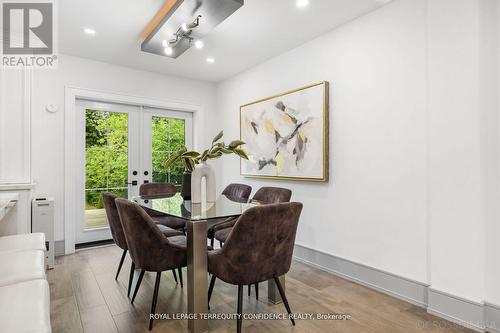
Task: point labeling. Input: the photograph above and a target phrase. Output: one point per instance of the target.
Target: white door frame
(70, 154)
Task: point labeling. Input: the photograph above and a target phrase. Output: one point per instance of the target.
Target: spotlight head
(168, 50)
(198, 44)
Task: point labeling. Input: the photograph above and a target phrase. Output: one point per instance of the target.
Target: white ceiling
(260, 30)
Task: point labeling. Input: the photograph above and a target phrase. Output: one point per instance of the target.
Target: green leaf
(189, 164)
(216, 150)
(236, 143)
(227, 150)
(241, 153)
(171, 160)
(204, 155)
(214, 156)
(218, 137)
(191, 153)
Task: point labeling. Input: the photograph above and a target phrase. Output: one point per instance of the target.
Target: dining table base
(273, 294)
(197, 276)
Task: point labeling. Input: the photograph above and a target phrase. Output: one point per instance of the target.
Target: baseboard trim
(397, 286)
(480, 317)
(492, 317)
(456, 309)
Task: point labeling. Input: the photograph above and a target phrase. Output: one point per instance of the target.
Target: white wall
(406, 151)
(455, 201)
(490, 96)
(48, 129)
(373, 209)
(14, 126)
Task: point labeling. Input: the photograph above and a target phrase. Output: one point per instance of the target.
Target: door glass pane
(106, 162)
(167, 137)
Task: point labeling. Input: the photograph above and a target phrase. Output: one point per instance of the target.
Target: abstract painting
(286, 135)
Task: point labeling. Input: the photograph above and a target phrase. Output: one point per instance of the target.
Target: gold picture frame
(325, 135)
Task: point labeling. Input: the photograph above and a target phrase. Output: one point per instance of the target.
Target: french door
(119, 148)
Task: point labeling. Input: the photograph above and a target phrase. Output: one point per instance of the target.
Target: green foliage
(107, 153)
(92, 134)
(168, 137)
(191, 158)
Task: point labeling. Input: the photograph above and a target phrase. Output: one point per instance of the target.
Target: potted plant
(191, 158)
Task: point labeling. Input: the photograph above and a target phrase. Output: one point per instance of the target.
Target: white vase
(203, 170)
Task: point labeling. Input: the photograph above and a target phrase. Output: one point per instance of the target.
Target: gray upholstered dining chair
(150, 250)
(269, 231)
(161, 190)
(234, 192)
(265, 195)
(118, 234)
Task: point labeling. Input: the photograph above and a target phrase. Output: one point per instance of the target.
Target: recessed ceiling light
(198, 44)
(168, 50)
(165, 43)
(89, 31)
(210, 60)
(302, 3)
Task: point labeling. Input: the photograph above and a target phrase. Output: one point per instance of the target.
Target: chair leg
(283, 297)
(240, 309)
(180, 276)
(132, 268)
(211, 289)
(175, 275)
(212, 242)
(121, 263)
(137, 286)
(249, 289)
(155, 299)
(257, 291)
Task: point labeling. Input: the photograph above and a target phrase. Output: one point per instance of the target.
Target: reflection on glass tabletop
(185, 209)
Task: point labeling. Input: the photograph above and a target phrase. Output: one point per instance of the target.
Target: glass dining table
(197, 216)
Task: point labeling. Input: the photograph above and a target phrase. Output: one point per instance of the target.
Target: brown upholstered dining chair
(150, 250)
(269, 195)
(118, 234)
(265, 195)
(269, 231)
(235, 192)
(157, 190)
(161, 190)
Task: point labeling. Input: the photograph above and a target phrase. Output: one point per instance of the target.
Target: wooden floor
(86, 298)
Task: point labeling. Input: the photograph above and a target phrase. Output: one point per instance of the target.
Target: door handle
(133, 183)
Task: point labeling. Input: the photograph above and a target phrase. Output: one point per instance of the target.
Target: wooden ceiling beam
(164, 11)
